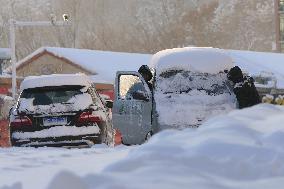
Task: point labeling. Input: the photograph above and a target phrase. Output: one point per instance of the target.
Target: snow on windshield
(185, 99)
(204, 60)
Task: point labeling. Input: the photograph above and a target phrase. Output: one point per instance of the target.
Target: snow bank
(18, 166)
(58, 131)
(243, 149)
(55, 80)
(205, 60)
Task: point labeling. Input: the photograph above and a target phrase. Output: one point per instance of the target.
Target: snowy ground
(243, 149)
(35, 168)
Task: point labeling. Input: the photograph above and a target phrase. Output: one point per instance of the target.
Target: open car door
(132, 107)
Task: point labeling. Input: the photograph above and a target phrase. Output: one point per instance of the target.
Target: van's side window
(130, 86)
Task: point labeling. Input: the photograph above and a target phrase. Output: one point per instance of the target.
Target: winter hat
(145, 70)
(235, 74)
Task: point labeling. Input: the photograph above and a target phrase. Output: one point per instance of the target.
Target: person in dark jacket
(137, 91)
(244, 88)
(146, 73)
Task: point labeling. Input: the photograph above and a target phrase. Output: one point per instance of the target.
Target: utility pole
(13, 24)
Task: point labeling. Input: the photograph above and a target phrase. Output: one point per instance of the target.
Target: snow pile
(243, 149)
(18, 166)
(187, 99)
(204, 60)
(55, 80)
(58, 131)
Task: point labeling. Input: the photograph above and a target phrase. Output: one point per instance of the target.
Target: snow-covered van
(189, 86)
(59, 110)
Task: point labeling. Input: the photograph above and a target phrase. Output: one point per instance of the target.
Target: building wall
(47, 64)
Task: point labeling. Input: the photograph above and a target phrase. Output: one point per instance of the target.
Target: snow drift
(242, 149)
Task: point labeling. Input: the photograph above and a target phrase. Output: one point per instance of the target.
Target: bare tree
(144, 26)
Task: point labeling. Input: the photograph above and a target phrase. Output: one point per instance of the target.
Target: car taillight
(88, 117)
(20, 121)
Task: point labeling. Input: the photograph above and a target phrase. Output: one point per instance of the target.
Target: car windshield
(187, 99)
(51, 95)
(179, 81)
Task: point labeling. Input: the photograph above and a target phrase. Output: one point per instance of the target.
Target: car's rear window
(51, 95)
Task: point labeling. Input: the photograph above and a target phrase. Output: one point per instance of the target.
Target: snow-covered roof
(260, 63)
(55, 80)
(5, 53)
(103, 64)
(206, 60)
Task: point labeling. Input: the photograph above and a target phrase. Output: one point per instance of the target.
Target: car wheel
(148, 136)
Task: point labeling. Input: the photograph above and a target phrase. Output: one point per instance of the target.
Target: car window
(128, 85)
(51, 95)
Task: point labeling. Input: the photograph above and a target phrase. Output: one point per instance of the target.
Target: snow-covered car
(59, 110)
(189, 86)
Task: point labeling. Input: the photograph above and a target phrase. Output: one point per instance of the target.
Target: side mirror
(109, 104)
(138, 95)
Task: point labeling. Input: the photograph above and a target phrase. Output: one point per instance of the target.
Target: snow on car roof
(198, 59)
(55, 80)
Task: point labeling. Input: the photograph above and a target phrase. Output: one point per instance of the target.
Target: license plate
(54, 121)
